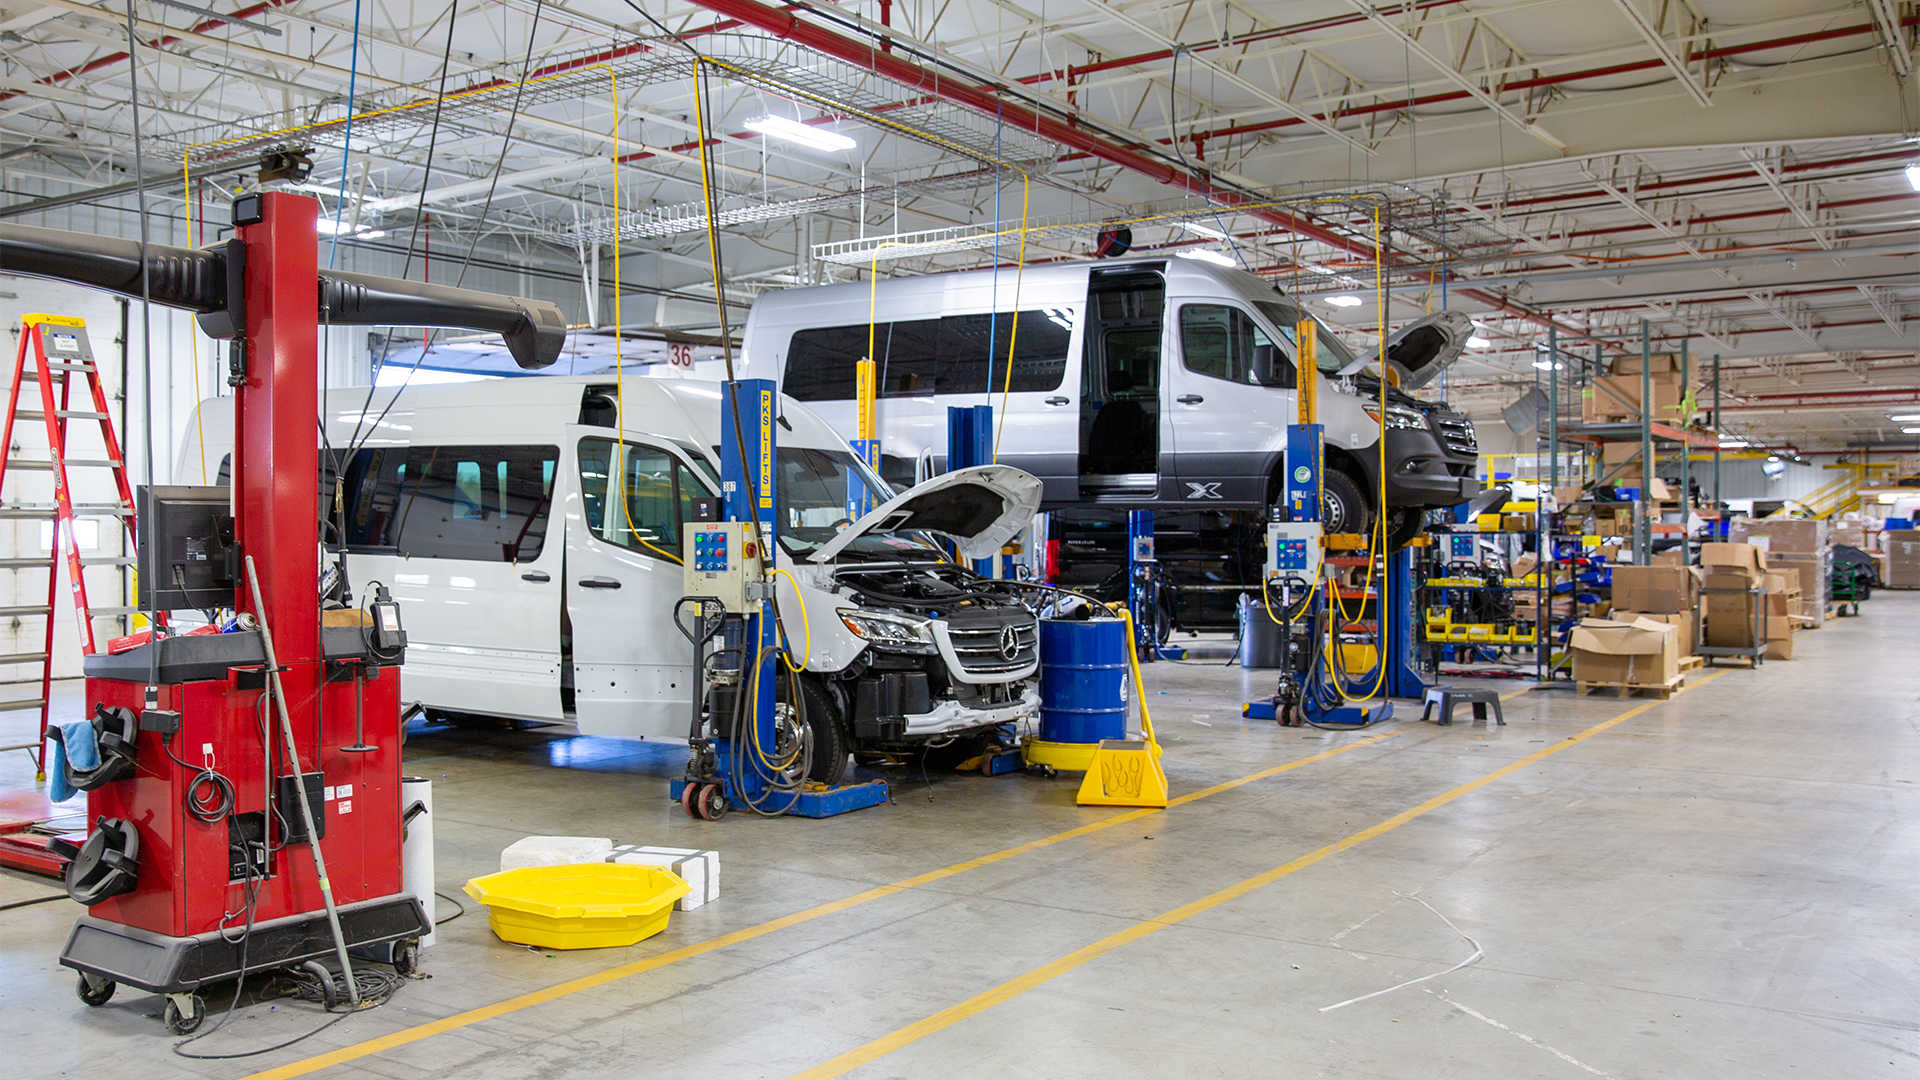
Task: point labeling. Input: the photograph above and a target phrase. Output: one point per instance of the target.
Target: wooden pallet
(1659, 691)
(1687, 663)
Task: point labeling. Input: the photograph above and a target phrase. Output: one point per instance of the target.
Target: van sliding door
(1120, 383)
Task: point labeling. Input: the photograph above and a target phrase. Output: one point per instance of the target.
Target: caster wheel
(1047, 771)
(712, 802)
(96, 994)
(406, 956)
(184, 1024)
(690, 799)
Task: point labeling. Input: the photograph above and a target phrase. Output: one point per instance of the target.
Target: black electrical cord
(211, 805)
(459, 910)
(35, 900)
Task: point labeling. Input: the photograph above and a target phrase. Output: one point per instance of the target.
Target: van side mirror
(1271, 368)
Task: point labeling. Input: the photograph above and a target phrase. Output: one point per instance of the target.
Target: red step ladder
(54, 351)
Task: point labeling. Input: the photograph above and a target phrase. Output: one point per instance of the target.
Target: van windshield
(823, 492)
(1333, 353)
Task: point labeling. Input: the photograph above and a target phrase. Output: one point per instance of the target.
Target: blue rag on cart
(77, 740)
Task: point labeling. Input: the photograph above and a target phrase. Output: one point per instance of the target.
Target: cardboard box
(1685, 620)
(1518, 522)
(1674, 556)
(1780, 534)
(1568, 494)
(1738, 556)
(1785, 585)
(1642, 652)
(1619, 453)
(1655, 589)
(1810, 572)
(1524, 565)
(1779, 637)
(700, 869)
(1729, 616)
(1902, 569)
(1617, 398)
(1658, 363)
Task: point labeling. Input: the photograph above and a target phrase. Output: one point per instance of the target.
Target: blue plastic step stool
(1447, 696)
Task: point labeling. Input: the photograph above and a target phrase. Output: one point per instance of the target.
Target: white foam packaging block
(700, 869)
(554, 851)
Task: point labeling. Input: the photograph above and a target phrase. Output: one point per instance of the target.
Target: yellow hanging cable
(1376, 556)
(193, 336)
(1013, 335)
(617, 461)
(806, 629)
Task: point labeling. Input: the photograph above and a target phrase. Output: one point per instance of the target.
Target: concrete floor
(1718, 886)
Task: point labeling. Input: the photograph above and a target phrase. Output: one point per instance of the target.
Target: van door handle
(1059, 401)
(1190, 399)
(537, 575)
(599, 583)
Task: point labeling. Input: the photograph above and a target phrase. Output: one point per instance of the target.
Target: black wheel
(690, 799)
(96, 997)
(821, 720)
(406, 956)
(184, 1025)
(1343, 506)
(1403, 524)
(712, 802)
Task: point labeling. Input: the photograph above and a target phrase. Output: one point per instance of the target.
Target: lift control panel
(722, 560)
(1295, 549)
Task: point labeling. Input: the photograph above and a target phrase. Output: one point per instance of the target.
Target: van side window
(958, 354)
(486, 503)
(637, 496)
(1223, 342)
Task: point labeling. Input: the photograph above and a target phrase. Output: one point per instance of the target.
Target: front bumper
(949, 717)
(1423, 473)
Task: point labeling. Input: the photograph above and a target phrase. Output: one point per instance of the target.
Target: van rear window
(486, 503)
(959, 354)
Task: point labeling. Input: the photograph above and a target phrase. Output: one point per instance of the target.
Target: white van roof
(511, 410)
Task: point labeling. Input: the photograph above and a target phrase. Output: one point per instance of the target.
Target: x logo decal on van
(1203, 491)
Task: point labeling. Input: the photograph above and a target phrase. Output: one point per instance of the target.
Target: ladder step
(14, 706)
(7, 612)
(36, 465)
(29, 466)
(57, 366)
(112, 612)
(109, 560)
(80, 414)
(46, 513)
(29, 414)
(23, 658)
(27, 564)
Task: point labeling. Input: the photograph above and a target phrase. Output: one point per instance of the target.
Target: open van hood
(980, 509)
(1426, 347)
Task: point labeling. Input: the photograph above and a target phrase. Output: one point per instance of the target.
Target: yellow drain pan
(588, 906)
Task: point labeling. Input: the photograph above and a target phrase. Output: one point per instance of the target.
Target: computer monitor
(186, 547)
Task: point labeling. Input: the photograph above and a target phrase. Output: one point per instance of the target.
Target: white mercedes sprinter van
(1146, 383)
(535, 553)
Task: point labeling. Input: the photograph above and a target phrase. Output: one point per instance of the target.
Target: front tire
(825, 730)
(1343, 507)
(1403, 524)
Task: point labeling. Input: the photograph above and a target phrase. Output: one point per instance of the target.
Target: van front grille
(1456, 433)
(995, 643)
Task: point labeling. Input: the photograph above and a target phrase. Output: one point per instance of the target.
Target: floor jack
(749, 750)
(251, 819)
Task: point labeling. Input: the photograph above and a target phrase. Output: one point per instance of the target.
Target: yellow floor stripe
(946, 1018)
(688, 952)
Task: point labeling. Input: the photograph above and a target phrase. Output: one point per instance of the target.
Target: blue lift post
(970, 443)
(758, 402)
(1141, 568)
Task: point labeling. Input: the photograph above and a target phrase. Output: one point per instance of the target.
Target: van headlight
(890, 631)
(1400, 418)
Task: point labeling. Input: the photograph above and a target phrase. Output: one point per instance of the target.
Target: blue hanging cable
(346, 158)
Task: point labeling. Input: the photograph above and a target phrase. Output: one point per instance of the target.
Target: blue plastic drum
(1083, 680)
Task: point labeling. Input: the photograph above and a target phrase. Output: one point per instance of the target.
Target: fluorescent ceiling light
(327, 226)
(1545, 364)
(1207, 255)
(1207, 231)
(793, 131)
(1906, 417)
(1477, 342)
(1910, 430)
(1343, 300)
(371, 234)
(1913, 176)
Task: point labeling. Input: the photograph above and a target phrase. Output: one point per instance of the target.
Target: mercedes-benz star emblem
(1009, 643)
